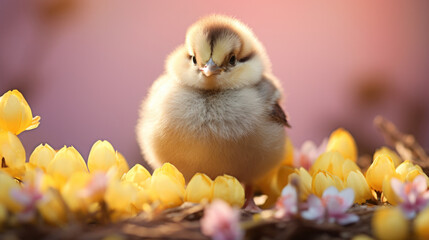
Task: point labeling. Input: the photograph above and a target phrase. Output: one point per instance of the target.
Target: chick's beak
(210, 68)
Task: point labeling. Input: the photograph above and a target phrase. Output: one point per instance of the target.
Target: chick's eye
(194, 60)
(232, 60)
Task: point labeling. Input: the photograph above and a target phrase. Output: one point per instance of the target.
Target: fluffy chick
(215, 110)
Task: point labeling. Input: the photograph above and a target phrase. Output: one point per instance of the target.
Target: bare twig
(405, 144)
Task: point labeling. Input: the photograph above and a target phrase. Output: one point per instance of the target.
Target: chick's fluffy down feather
(213, 128)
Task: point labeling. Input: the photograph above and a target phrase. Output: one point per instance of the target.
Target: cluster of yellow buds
(391, 223)
(387, 165)
(59, 185)
(335, 166)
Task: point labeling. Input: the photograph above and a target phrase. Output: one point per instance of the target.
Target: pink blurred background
(85, 66)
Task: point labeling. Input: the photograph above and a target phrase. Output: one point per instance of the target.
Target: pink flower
(414, 196)
(221, 222)
(332, 207)
(96, 187)
(308, 153)
(287, 204)
(27, 197)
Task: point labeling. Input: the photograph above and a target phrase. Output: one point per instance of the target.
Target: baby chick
(216, 108)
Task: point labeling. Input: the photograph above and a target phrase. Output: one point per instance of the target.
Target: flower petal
(330, 191)
(315, 209)
(347, 219)
(348, 195)
(398, 188)
(420, 184)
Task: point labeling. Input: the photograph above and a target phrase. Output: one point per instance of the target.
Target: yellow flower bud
(15, 114)
(408, 171)
(199, 189)
(71, 191)
(12, 154)
(170, 170)
(421, 224)
(349, 166)
(66, 162)
(388, 192)
(289, 149)
(143, 197)
(343, 142)
(52, 208)
(389, 223)
(7, 183)
(385, 150)
(229, 189)
(101, 157)
(167, 188)
(331, 162)
(404, 168)
(322, 180)
(305, 181)
(356, 181)
(122, 165)
(120, 196)
(137, 174)
(379, 169)
(42, 156)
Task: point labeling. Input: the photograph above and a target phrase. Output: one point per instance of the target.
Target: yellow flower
(66, 162)
(15, 114)
(101, 157)
(331, 162)
(199, 189)
(408, 171)
(52, 208)
(122, 165)
(388, 192)
(356, 181)
(170, 170)
(137, 174)
(120, 196)
(385, 150)
(389, 223)
(42, 156)
(305, 181)
(349, 166)
(8, 184)
(379, 169)
(71, 191)
(288, 160)
(168, 186)
(343, 142)
(12, 154)
(143, 197)
(322, 180)
(229, 189)
(421, 222)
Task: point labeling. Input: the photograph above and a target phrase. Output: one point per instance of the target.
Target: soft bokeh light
(85, 66)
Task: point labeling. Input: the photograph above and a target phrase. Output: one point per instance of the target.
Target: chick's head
(219, 53)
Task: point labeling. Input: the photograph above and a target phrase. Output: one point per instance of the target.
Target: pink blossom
(308, 153)
(414, 196)
(331, 207)
(27, 197)
(287, 204)
(96, 186)
(221, 222)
